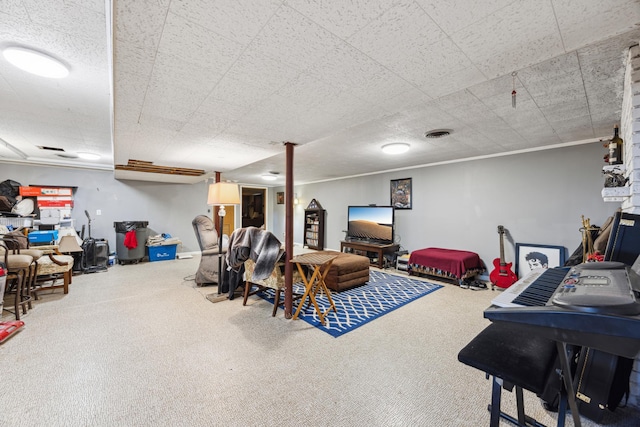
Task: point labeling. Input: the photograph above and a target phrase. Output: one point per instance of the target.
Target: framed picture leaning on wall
(530, 256)
(401, 193)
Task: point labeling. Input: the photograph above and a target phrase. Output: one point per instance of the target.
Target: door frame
(265, 203)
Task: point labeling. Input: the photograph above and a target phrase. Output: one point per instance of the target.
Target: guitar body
(502, 276)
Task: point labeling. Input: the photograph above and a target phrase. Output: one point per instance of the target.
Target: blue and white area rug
(382, 294)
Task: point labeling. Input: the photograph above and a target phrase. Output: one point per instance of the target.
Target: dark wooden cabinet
(314, 217)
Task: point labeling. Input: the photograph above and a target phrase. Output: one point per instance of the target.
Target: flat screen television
(373, 224)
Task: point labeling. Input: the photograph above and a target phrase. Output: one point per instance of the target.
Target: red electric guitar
(502, 276)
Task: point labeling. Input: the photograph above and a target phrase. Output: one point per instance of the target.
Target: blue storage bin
(162, 253)
(43, 237)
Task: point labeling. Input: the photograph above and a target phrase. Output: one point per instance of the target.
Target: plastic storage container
(162, 252)
(47, 237)
(134, 255)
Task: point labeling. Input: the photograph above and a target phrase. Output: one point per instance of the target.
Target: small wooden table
(379, 248)
(320, 263)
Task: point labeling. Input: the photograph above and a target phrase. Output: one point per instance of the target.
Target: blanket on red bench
(458, 264)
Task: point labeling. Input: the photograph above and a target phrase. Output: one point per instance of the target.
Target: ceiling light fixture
(271, 176)
(35, 62)
(89, 156)
(395, 148)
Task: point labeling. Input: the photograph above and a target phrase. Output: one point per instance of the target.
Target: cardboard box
(162, 252)
(44, 191)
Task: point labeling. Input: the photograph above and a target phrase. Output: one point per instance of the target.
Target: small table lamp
(221, 194)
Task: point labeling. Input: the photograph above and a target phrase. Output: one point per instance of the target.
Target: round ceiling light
(269, 177)
(395, 148)
(438, 133)
(35, 62)
(89, 156)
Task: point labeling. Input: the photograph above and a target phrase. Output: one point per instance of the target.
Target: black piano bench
(515, 357)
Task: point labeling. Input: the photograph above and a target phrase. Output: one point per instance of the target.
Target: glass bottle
(615, 148)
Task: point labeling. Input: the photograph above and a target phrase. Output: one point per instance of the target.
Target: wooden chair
(20, 268)
(52, 268)
(49, 265)
(274, 281)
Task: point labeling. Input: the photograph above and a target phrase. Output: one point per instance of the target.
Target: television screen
(372, 223)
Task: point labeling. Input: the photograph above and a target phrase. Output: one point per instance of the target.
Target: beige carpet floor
(140, 345)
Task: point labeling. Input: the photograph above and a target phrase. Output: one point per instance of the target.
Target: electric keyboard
(590, 305)
(535, 289)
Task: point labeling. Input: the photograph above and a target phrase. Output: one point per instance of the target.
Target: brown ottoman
(347, 271)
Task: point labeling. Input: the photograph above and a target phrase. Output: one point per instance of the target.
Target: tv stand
(378, 249)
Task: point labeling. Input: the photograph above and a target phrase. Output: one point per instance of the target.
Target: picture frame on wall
(530, 256)
(280, 197)
(401, 197)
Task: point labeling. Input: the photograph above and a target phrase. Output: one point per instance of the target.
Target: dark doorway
(253, 206)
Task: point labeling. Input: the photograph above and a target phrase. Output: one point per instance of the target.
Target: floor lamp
(221, 194)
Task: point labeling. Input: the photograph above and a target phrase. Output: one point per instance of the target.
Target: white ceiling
(220, 85)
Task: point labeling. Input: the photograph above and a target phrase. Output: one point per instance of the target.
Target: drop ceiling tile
(555, 69)
(566, 110)
(453, 82)
(169, 71)
(341, 18)
(140, 23)
(454, 15)
(351, 70)
(237, 20)
(221, 108)
(584, 22)
(130, 90)
(571, 123)
(71, 19)
(272, 73)
(400, 34)
(195, 44)
(404, 100)
(167, 110)
(291, 38)
(514, 37)
(180, 98)
(204, 126)
(13, 9)
(238, 93)
(129, 58)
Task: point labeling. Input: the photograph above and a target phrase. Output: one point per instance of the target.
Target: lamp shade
(223, 193)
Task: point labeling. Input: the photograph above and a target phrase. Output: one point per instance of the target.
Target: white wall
(169, 208)
(539, 197)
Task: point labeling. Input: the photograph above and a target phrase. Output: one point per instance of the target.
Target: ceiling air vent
(438, 133)
(44, 147)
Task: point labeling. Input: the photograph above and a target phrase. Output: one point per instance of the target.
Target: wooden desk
(379, 249)
(320, 263)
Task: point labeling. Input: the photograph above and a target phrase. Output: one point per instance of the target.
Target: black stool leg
(523, 419)
(520, 406)
(562, 409)
(495, 403)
